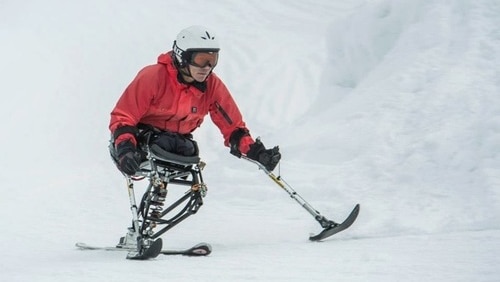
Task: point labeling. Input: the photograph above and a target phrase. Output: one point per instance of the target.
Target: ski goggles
(203, 59)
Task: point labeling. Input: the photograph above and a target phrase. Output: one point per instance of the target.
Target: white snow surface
(391, 104)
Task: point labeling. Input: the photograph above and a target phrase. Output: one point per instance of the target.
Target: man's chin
(200, 78)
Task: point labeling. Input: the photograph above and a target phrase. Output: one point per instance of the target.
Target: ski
(336, 228)
(201, 249)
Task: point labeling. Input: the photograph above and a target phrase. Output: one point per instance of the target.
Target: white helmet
(194, 39)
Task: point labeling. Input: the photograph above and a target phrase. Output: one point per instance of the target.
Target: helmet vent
(208, 36)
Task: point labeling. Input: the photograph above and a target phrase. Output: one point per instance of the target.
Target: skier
(160, 108)
(170, 100)
(173, 96)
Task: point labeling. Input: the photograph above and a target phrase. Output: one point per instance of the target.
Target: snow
(390, 104)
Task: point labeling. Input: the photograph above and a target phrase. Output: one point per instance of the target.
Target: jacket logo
(194, 110)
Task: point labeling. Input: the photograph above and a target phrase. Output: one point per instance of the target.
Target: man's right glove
(269, 158)
(128, 157)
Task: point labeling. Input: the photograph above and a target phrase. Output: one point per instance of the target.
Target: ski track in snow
(390, 104)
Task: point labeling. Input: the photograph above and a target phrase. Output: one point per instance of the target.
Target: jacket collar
(166, 59)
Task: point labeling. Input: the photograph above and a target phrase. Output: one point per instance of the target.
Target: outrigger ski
(334, 228)
(329, 227)
(201, 249)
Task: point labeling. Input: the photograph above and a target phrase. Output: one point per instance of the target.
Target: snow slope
(390, 104)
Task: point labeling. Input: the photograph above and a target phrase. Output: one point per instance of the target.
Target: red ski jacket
(156, 97)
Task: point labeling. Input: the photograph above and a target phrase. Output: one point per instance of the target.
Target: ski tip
(84, 246)
(201, 249)
(356, 209)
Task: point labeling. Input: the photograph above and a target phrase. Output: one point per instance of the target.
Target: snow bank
(409, 109)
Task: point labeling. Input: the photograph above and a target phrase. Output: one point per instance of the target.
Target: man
(173, 96)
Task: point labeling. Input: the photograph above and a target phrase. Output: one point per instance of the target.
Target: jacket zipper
(223, 112)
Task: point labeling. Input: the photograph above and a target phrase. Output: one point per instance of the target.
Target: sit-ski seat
(163, 159)
(159, 154)
(170, 165)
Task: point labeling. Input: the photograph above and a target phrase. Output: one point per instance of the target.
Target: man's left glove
(269, 158)
(128, 157)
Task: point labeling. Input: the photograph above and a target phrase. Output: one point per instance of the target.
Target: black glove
(269, 158)
(128, 157)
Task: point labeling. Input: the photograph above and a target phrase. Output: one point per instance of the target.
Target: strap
(234, 141)
(125, 129)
